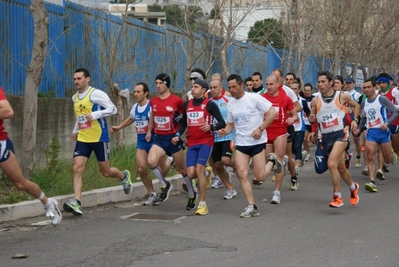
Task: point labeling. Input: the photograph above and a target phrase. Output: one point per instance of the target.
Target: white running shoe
(230, 193)
(276, 197)
(54, 212)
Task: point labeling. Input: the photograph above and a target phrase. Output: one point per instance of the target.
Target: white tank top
(330, 116)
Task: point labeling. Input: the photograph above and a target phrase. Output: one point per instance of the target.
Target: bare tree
(33, 79)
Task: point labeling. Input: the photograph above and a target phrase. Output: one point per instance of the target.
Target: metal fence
(83, 37)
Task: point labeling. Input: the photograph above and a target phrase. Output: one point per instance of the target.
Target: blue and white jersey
(375, 111)
(141, 116)
(221, 102)
(299, 125)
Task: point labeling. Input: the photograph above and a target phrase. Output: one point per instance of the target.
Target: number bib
(329, 120)
(373, 123)
(83, 123)
(162, 123)
(195, 118)
(141, 126)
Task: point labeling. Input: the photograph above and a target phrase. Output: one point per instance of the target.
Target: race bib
(83, 123)
(329, 120)
(162, 123)
(373, 123)
(277, 109)
(195, 118)
(141, 126)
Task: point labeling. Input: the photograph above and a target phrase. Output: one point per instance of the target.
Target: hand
(114, 129)
(205, 127)
(384, 127)
(89, 117)
(148, 136)
(257, 133)
(312, 118)
(312, 138)
(175, 140)
(356, 132)
(74, 136)
(353, 125)
(221, 133)
(290, 121)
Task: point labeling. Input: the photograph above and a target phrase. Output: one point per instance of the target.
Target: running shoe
(380, 174)
(370, 186)
(276, 198)
(277, 166)
(394, 157)
(336, 202)
(385, 168)
(294, 184)
(358, 164)
(208, 173)
(273, 178)
(348, 159)
(249, 212)
(304, 155)
(53, 212)
(73, 206)
(285, 164)
(230, 193)
(127, 182)
(202, 210)
(191, 202)
(307, 159)
(365, 171)
(256, 182)
(217, 183)
(165, 190)
(354, 195)
(152, 200)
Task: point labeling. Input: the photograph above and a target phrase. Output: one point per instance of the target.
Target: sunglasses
(193, 78)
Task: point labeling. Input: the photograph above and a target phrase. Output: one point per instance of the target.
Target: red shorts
(273, 134)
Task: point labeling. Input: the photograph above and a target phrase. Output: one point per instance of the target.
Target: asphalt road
(301, 231)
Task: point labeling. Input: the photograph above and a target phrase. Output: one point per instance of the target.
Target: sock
(47, 205)
(202, 203)
(158, 173)
(255, 207)
(358, 156)
(42, 195)
(338, 194)
(189, 186)
(372, 182)
(294, 178)
(352, 187)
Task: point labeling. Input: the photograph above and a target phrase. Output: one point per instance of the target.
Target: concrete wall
(55, 117)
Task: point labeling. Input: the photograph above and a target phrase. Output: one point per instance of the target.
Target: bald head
(216, 88)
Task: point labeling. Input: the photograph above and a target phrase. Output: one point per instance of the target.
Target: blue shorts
(394, 129)
(251, 150)
(165, 142)
(198, 154)
(328, 140)
(144, 145)
(6, 147)
(101, 150)
(320, 159)
(378, 136)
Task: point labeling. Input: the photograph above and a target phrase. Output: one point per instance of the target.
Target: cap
(350, 80)
(165, 78)
(196, 75)
(201, 82)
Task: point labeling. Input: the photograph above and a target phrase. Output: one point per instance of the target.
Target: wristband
(177, 134)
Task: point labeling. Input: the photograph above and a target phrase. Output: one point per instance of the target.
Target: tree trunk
(33, 78)
(119, 115)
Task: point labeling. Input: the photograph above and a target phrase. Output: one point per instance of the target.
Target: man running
(329, 111)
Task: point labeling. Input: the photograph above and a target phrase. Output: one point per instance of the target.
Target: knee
(21, 185)
(219, 166)
(77, 168)
(332, 164)
(191, 174)
(106, 173)
(141, 169)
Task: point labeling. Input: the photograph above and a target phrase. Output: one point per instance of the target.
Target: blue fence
(82, 37)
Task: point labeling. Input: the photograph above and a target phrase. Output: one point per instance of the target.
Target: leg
(242, 167)
(79, 164)
(142, 167)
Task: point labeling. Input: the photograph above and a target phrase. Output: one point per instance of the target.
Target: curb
(33, 208)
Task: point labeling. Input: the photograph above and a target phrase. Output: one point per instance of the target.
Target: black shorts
(251, 150)
(308, 128)
(291, 133)
(329, 139)
(222, 149)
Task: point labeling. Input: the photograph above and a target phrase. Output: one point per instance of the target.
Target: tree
(267, 32)
(183, 16)
(33, 79)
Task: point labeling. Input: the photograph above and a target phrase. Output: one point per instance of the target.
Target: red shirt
(3, 134)
(196, 116)
(282, 104)
(165, 111)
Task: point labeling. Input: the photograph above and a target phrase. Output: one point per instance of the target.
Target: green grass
(56, 179)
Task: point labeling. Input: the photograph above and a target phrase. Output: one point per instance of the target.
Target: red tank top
(196, 117)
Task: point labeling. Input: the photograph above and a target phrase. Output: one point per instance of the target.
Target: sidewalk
(33, 208)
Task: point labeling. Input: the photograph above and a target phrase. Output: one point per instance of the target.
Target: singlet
(375, 112)
(3, 133)
(330, 116)
(196, 116)
(89, 131)
(221, 102)
(141, 117)
(388, 94)
(281, 104)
